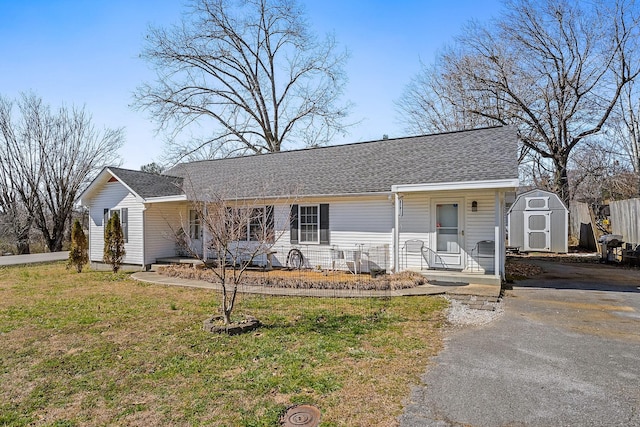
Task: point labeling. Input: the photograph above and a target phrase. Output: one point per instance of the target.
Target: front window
(257, 225)
(194, 224)
(309, 224)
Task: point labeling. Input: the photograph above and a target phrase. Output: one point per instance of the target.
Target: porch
(457, 278)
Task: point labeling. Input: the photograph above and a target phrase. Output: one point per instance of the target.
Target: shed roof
(367, 167)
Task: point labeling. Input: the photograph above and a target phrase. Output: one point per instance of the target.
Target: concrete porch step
(461, 277)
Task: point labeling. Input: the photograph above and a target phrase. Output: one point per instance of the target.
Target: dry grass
(306, 279)
(99, 349)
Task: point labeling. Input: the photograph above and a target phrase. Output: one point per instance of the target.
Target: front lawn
(100, 349)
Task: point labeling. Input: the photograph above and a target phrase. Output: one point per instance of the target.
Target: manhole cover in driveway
(301, 416)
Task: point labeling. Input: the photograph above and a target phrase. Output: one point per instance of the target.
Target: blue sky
(85, 52)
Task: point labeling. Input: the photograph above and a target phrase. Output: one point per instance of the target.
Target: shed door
(537, 226)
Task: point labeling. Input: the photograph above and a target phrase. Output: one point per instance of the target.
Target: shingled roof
(148, 185)
(366, 167)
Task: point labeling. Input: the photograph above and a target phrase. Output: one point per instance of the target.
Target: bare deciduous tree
(597, 174)
(625, 129)
(48, 156)
(436, 102)
(234, 233)
(555, 69)
(15, 220)
(152, 167)
(249, 73)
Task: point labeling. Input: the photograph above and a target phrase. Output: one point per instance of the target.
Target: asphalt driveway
(566, 352)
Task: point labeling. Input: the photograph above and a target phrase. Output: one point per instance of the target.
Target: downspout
(396, 233)
(144, 237)
(497, 260)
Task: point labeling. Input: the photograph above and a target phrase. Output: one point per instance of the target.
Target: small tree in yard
(113, 243)
(236, 232)
(78, 254)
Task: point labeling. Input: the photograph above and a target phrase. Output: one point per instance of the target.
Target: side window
(536, 203)
(194, 224)
(123, 216)
(309, 224)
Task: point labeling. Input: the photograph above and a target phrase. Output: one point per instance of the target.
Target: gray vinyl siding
(416, 223)
(480, 226)
(114, 195)
(355, 223)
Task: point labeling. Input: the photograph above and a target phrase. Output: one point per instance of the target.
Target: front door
(449, 235)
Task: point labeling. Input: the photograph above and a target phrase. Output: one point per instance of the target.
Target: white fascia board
(87, 193)
(161, 199)
(463, 185)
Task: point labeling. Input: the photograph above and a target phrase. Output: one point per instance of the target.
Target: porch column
(396, 233)
(204, 232)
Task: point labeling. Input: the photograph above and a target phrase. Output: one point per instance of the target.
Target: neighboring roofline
(462, 185)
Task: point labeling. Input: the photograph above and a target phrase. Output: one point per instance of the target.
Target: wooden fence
(625, 215)
(581, 226)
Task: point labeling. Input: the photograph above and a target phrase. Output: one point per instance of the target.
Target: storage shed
(538, 222)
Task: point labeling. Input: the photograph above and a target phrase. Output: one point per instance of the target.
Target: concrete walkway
(485, 291)
(33, 258)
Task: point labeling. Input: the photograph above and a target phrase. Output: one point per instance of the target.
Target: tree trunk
(22, 241)
(561, 180)
(226, 315)
(55, 243)
(23, 247)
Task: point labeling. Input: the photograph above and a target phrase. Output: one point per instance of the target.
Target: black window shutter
(124, 221)
(324, 224)
(105, 217)
(293, 229)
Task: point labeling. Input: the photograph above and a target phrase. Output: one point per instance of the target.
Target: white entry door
(449, 235)
(537, 236)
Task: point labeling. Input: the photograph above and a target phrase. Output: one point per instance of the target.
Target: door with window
(446, 250)
(195, 231)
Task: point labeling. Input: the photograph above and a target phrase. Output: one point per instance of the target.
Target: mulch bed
(521, 270)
